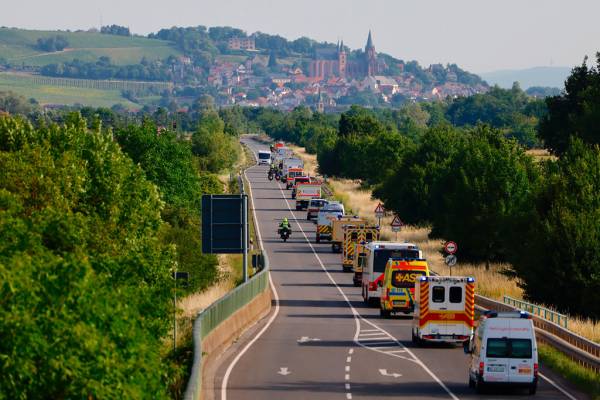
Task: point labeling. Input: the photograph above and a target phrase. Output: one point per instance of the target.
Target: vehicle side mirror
(380, 283)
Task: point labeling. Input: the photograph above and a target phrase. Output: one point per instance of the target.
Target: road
(321, 342)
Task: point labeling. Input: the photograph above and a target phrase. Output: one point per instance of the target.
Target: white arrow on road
(385, 373)
(305, 339)
(283, 371)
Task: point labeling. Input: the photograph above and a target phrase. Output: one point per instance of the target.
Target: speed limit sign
(450, 247)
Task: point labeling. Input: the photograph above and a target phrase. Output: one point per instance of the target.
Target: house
(241, 43)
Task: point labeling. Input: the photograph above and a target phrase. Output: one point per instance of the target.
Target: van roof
(507, 327)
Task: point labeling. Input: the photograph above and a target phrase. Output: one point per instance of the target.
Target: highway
(320, 340)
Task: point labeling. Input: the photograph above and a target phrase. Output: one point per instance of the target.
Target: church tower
(342, 61)
(371, 57)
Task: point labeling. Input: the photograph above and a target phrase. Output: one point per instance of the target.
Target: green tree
(575, 113)
(561, 242)
(214, 148)
(487, 187)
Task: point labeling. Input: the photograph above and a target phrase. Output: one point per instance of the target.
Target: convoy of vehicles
(395, 277)
(398, 285)
(326, 215)
(503, 352)
(444, 309)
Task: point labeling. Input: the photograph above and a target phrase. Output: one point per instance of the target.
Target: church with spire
(329, 63)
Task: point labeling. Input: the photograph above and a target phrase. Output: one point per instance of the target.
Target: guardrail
(539, 311)
(211, 317)
(577, 348)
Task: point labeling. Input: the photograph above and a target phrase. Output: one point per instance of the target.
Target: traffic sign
(379, 211)
(450, 247)
(451, 260)
(397, 222)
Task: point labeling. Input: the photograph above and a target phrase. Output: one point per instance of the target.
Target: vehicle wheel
(318, 239)
(479, 386)
(284, 239)
(373, 302)
(345, 269)
(471, 382)
(356, 284)
(415, 339)
(532, 389)
(384, 313)
(365, 296)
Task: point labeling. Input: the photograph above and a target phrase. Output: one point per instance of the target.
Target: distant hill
(537, 76)
(18, 46)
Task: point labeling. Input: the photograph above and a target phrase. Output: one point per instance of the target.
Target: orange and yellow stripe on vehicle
(470, 302)
(326, 229)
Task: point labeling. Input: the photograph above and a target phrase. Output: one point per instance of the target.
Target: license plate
(525, 371)
(398, 303)
(495, 369)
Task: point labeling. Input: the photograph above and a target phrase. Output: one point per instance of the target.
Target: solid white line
(264, 329)
(357, 315)
(560, 389)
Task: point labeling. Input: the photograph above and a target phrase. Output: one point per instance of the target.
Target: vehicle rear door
(438, 304)
(521, 361)
(496, 359)
(456, 309)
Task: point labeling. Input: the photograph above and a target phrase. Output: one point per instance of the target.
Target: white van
(504, 352)
(264, 157)
(331, 211)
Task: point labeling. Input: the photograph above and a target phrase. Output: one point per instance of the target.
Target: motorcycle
(284, 233)
(277, 176)
(270, 176)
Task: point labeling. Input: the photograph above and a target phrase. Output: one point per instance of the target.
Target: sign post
(379, 213)
(450, 248)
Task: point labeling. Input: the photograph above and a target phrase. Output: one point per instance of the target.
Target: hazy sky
(479, 35)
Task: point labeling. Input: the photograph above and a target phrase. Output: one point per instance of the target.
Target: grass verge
(585, 380)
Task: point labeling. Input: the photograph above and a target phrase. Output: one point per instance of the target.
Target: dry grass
(540, 154)
(490, 283)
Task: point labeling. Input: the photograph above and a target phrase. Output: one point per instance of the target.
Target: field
(50, 94)
(17, 46)
(490, 283)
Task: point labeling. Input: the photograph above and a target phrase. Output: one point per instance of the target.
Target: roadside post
(379, 213)
(450, 248)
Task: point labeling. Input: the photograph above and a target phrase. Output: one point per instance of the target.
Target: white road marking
(385, 373)
(267, 325)
(347, 368)
(349, 396)
(347, 386)
(350, 351)
(347, 377)
(284, 371)
(348, 359)
(306, 339)
(560, 389)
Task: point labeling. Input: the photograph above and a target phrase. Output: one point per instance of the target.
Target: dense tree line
(105, 69)
(94, 216)
(115, 30)
(52, 44)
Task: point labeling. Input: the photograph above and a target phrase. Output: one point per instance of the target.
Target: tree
(576, 113)
(53, 43)
(561, 242)
(272, 61)
(214, 148)
(487, 186)
(115, 30)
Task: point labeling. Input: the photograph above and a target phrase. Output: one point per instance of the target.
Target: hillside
(18, 46)
(537, 76)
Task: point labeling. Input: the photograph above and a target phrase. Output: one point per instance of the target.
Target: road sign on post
(450, 247)
(379, 213)
(397, 224)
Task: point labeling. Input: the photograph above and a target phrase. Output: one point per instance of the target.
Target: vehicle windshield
(508, 348)
(405, 279)
(381, 257)
(264, 156)
(317, 203)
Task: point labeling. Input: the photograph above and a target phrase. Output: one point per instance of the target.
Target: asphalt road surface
(321, 342)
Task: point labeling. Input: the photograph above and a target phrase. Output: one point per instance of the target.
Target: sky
(478, 35)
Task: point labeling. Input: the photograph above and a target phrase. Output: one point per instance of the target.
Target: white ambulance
(504, 352)
(444, 309)
(377, 255)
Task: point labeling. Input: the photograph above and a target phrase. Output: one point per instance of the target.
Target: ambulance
(337, 230)
(398, 285)
(292, 174)
(503, 352)
(358, 263)
(377, 255)
(353, 235)
(444, 309)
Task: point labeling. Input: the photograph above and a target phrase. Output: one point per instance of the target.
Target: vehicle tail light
(535, 369)
(481, 367)
(372, 286)
(386, 296)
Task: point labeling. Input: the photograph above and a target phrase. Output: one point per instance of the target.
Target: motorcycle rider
(285, 225)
